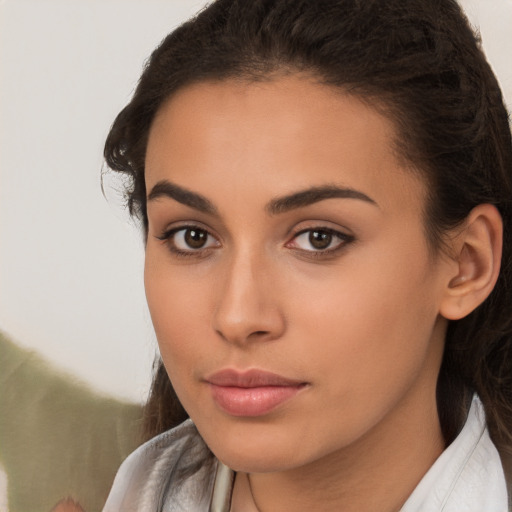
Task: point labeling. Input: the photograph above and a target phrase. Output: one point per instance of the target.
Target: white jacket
(467, 477)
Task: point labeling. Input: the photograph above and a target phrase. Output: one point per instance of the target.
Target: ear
(477, 261)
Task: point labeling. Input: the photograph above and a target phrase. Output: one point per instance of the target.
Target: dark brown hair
(419, 63)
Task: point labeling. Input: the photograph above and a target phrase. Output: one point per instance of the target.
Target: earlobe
(477, 256)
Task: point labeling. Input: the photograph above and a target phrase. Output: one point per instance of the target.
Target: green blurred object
(57, 437)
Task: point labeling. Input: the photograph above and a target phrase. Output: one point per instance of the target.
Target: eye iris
(195, 238)
(320, 239)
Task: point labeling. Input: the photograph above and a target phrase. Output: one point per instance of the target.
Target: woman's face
(293, 294)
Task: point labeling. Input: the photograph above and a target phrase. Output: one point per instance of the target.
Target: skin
(361, 325)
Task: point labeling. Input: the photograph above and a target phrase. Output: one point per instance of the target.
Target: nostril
(258, 334)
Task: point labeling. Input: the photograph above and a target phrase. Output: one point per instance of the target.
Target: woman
(325, 191)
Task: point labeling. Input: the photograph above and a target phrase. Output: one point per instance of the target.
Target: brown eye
(189, 240)
(320, 239)
(195, 238)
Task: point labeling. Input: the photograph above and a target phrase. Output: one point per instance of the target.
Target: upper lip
(249, 379)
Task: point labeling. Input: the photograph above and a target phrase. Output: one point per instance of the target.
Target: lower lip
(252, 401)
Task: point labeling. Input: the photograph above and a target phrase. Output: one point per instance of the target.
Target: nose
(248, 307)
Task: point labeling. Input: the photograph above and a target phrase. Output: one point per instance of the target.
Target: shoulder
(467, 477)
(148, 477)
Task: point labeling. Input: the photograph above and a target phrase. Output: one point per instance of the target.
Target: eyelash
(168, 238)
(343, 239)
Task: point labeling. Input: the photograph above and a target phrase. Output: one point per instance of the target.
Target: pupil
(320, 239)
(195, 238)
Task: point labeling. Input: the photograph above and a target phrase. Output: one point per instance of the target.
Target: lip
(252, 392)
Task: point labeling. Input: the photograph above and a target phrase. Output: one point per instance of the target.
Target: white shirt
(467, 477)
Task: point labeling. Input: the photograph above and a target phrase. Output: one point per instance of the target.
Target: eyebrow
(276, 206)
(314, 195)
(194, 200)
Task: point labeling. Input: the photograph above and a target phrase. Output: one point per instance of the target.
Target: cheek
(179, 313)
(369, 329)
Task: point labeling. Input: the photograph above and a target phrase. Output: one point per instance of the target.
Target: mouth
(252, 392)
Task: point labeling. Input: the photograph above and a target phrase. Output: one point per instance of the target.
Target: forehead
(275, 137)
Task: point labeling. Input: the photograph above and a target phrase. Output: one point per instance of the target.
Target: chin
(254, 448)
(257, 461)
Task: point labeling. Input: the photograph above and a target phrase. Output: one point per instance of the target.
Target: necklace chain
(252, 493)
